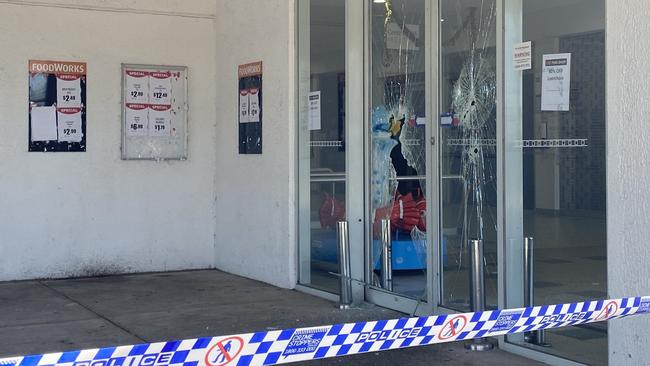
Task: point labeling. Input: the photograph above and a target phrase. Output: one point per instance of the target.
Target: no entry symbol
(224, 351)
(608, 311)
(454, 326)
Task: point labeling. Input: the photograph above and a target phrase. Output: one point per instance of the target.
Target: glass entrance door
(323, 178)
(399, 119)
(554, 166)
(467, 150)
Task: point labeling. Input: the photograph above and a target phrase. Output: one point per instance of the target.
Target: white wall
(628, 173)
(76, 214)
(191, 8)
(256, 230)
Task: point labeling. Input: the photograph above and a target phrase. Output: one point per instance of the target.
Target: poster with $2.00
(57, 106)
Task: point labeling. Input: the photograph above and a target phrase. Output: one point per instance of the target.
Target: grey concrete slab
(119, 310)
(25, 303)
(59, 336)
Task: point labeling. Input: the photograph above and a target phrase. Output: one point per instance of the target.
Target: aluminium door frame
(374, 294)
(509, 174)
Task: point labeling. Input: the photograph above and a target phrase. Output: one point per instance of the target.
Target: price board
(57, 106)
(154, 112)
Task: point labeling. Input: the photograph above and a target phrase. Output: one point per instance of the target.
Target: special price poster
(148, 99)
(250, 108)
(57, 106)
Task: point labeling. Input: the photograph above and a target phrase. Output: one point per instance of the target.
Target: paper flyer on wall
(556, 82)
(254, 105)
(68, 91)
(69, 124)
(43, 124)
(137, 87)
(244, 109)
(137, 119)
(160, 121)
(160, 87)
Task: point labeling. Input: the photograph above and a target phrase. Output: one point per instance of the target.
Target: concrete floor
(52, 316)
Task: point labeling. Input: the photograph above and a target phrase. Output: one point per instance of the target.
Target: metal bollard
(344, 264)
(537, 337)
(477, 288)
(386, 256)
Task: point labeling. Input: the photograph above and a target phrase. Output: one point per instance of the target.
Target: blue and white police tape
(291, 345)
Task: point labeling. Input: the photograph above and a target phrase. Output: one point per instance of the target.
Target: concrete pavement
(61, 315)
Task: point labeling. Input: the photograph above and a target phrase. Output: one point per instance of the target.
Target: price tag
(160, 88)
(69, 124)
(136, 119)
(137, 87)
(68, 91)
(160, 121)
(244, 116)
(254, 105)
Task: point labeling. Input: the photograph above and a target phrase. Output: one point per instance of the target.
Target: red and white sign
(160, 87)
(137, 86)
(69, 124)
(68, 91)
(608, 311)
(224, 351)
(254, 105)
(160, 120)
(137, 119)
(453, 327)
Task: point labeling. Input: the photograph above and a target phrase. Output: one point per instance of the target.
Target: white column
(628, 173)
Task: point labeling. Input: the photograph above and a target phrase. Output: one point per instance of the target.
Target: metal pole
(477, 288)
(344, 264)
(529, 337)
(386, 256)
(537, 337)
(529, 285)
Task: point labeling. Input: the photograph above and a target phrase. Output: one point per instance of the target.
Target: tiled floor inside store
(52, 316)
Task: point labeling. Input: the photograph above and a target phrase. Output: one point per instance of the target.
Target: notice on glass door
(314, 111)
(523, 56)
(556, 82)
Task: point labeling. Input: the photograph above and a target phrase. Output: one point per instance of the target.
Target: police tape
(302, 344)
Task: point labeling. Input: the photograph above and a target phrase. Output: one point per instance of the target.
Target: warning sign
(224, 351)
(453, 327)
(608, 311)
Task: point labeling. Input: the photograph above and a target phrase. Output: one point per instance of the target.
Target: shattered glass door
(397, 144)
(468, 199)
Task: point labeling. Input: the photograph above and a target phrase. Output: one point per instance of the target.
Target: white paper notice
(523, 56)
(244, 116)
(160, 121)
(136, 119)
(160, 88)
(137, 87)
(43, 123)
(254, 105)
(69, 126)
(68, 91)
(314, 111)
(556, 82)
